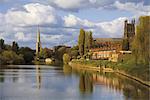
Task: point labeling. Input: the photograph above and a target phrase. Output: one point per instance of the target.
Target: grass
(128, 66)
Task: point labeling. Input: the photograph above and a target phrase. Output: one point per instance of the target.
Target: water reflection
(130, 89)
(40, 82)
(38, 76)
(67, 69)
(1, 75)
(86, 83)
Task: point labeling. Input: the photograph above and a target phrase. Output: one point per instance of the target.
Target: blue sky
(61, 20)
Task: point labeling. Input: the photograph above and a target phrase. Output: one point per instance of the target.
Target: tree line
(81, 50)
(13, 54)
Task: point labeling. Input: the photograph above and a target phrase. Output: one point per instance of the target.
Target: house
(101, 55)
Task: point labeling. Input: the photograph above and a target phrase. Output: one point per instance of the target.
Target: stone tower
(129, 29)
(38, 42)
(129, 33)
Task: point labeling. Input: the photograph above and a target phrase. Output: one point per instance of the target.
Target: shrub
(66, 58)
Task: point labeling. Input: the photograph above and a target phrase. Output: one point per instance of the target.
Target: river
(42, 82)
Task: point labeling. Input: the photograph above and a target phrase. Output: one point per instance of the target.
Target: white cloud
(113, 28)
(137, 9)
(20, 36)
(20, 24)
(76, 5)
(33, 14)
(68, 4)
(73, 21)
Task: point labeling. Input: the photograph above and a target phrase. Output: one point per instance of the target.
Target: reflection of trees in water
(134, 90)
(38, 76)
(5, 71)
(2, 75)
(131, 90)
(15, 75)
(67, 69)
(86, 83)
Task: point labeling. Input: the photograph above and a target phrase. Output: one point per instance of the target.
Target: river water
(41, 82)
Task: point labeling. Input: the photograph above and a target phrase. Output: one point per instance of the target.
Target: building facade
(109, 48)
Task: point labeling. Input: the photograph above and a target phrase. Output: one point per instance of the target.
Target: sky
(60, 20)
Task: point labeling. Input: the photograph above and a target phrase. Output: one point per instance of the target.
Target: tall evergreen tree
(86, 42)
(15, 46)
(90, 40)
(2, 45)
(81, 41)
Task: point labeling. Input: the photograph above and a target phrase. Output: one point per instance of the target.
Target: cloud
(137, 9)
(21, 24)
(112, 28)
(33, 14)
(103, 29)
(20, 36)
(76, 5)
(69, 4)
(73, 21)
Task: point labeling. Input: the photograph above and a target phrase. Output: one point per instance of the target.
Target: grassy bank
(127, 66)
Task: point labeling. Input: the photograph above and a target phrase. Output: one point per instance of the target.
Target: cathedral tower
(38, 42)
(129, 33)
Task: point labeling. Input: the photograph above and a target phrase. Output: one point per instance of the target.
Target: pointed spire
(38, 42)
(38, 34)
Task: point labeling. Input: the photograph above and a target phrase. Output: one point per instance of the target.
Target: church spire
(38, 34)
(38, 42)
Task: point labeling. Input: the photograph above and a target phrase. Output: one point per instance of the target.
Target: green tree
(66, 58)
(15, 46)
(2, 44)
(140, 45)
(90, 40)
(28, 54)
(81, 41)
(10, 57)
(86, 42)
(8, 47)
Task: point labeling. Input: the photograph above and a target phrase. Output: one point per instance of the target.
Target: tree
(28, 54)
(90, 40)
(86, 42)
(81, 41)
(10, 57)
(15, 46)
(2, 44)
(66, 58)
(140, 45)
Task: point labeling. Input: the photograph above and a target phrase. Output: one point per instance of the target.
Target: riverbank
(103, 66)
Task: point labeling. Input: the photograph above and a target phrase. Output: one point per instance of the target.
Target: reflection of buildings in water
(129, 88)
(111, 83)
(38, 77)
